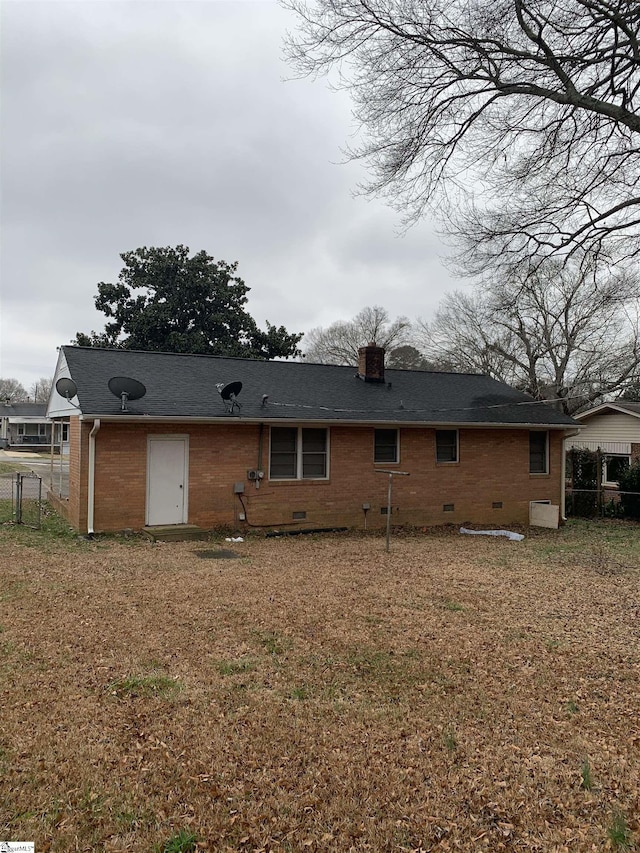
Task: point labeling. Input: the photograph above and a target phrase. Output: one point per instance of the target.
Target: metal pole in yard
(389, 494)
(39, 516)
(18, 498)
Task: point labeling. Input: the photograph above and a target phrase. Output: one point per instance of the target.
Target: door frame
(185, 485)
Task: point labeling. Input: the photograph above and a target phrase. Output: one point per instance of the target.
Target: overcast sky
(153, 123)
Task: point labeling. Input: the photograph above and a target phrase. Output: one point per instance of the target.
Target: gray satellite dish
(66, 388)
(229, 394)
(126, 389)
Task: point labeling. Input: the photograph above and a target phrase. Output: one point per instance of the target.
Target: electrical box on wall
(238, 488)
(254, 474)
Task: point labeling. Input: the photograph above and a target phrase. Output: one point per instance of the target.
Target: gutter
(146, 419)
(91, 484)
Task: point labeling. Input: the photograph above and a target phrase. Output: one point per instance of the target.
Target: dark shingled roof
(184, 386)
(23, 410)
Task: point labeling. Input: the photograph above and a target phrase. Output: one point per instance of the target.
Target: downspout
(563, 473)
(91, 484)
(53, 436)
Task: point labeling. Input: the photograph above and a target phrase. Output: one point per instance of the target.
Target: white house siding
(614, 433)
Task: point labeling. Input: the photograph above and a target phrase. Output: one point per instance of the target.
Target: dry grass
(459, 693)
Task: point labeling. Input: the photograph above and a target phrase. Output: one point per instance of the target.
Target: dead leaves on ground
(321, 694)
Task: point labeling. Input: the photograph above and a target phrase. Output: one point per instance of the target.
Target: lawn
(318, 693)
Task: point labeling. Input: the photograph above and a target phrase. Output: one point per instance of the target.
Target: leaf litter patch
(454, 694)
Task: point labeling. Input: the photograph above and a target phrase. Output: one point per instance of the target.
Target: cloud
(128, 124)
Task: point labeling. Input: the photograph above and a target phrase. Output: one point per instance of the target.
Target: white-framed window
(539, 452)
(299, 453)
(613, 466)
(386, 445)
(446, 445)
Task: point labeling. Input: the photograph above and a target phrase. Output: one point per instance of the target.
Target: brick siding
(493, 468)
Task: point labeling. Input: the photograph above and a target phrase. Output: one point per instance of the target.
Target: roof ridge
(271, 360)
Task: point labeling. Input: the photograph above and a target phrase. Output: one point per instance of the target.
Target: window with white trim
(298, 453)
(386, 446)
(446, 445)
(614, 466)
(539, 452)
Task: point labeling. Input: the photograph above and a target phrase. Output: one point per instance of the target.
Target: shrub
(629, 481)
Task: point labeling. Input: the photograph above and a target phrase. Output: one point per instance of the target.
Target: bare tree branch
(339, 342)
(12, 391)
(566, 333)
(519, 118)
(41, 389)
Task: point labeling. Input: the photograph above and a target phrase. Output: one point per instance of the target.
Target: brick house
(297, 445)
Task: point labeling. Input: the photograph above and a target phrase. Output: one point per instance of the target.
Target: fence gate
(21, 499)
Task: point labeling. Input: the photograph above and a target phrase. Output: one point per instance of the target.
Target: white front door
(167, 468)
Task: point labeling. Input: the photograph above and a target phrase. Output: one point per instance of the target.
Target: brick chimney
(371, 363)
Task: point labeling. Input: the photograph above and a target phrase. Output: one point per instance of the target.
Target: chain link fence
(21, 499)
(6, 497)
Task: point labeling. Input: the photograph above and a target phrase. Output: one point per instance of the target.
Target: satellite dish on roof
(229, 394)
(66, 388)
(126, 389)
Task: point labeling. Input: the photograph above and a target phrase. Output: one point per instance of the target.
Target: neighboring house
(24, 426)
(301, 446)
(614, 429)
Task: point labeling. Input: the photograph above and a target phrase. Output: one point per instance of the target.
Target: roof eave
(132, 418)
(616, 407)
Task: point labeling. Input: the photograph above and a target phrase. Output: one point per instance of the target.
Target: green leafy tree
(167, 301)
(408, 357)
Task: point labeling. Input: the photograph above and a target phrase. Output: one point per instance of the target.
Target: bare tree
(339, 342)
(528, 109)
(563, 333)
(12, 391)
(41, 389)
